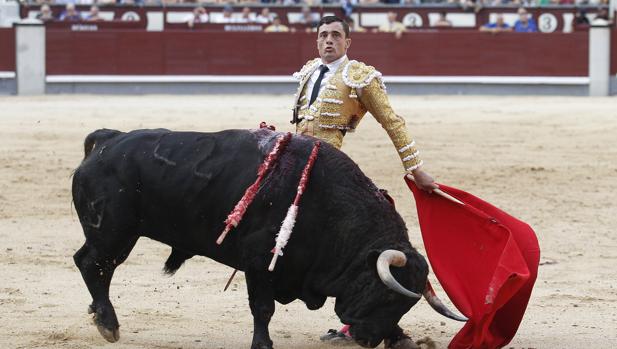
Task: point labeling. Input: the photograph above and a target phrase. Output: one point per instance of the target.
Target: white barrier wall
(30, 57)
(599, 60)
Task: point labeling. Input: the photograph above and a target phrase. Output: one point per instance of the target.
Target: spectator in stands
(94, 15)
(602, 18)
(246, 16)
(298, 2)
(45, 14)
(354, 27)
(70, 14)
(227, 16)
(580, 19)
(442, 21)
(199, 15)
(496, 27)
(265, 16)
(276, 26)
(524, 24)
(392, 25)
(471, 5)
(309, 19)
(347, 7)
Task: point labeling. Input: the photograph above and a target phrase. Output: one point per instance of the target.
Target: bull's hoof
(111, 336)
(105, 320)
(403, 343)
(261, 346)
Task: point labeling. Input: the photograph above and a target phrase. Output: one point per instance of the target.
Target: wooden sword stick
(230, 278)
(440, 193)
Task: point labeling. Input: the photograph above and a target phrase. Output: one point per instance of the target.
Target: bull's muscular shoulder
(358, 75)
(306, 69)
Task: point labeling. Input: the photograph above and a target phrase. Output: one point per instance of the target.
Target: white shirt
(332, 68)
(203, 18)
(262, 19)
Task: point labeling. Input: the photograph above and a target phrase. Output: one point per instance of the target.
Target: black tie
(315, 92)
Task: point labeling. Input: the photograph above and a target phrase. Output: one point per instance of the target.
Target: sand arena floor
(549, 161)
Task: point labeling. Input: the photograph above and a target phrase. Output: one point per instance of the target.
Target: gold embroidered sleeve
(375, 100)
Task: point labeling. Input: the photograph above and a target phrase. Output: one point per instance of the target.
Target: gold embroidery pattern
(306, 69)
(339, 106)
(374, 98)
(359, 75)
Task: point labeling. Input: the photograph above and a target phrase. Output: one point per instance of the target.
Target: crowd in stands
(70, 14)
(347, 5)
(307, 19)
(526, 24)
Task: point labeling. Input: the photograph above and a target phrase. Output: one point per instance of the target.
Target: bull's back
(156, 157)
(177, 185)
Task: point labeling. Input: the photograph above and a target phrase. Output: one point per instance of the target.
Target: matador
(333, 95)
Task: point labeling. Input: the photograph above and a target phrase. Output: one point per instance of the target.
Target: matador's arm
(375, 100)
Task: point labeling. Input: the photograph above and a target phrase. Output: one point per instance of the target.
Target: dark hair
(332, 19)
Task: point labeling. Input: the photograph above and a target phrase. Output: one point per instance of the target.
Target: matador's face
(332, 42)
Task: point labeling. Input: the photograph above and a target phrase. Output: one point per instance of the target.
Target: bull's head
(378, 299)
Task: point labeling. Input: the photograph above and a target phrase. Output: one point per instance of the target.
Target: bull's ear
(371, 259)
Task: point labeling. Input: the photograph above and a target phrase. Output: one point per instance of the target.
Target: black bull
(178, 187)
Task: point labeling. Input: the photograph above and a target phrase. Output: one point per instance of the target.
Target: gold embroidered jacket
(354, 89)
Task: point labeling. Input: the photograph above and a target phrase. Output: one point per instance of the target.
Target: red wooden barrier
(614, 51)
(432, 53)
(96, 25)
(227, 27)
(233, 27)
(7, 49)
(472, 53)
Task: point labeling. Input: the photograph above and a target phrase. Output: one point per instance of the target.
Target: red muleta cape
(486, 261)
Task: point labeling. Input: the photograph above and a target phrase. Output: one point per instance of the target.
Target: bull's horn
(438, 305)
(397, 259)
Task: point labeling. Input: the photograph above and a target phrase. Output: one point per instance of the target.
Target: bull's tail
(175, 261)
(98, 136)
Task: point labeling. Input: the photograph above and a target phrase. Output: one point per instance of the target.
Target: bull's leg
(261, 301)
(97, 263)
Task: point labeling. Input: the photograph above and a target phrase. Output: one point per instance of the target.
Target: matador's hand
(423, 180)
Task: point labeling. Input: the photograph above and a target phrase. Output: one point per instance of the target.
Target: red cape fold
(486, 261)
